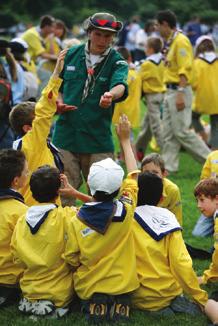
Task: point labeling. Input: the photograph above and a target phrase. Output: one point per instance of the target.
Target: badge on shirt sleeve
(182, 52)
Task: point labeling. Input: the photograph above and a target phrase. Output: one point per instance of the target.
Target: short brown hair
(155, 43)
(154, 158)
(207, 187)
(22, 114)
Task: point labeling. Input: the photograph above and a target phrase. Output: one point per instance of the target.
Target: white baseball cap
(105, 175)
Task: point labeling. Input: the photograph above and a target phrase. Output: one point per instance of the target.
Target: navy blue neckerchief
(55, 152)
(10, 193)
(34, 229)
(98, 216)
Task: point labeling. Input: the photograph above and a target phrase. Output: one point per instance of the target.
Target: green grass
(186, 179)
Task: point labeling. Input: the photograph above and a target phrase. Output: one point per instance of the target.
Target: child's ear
(15, 182)
(26, 128)
(165, 173)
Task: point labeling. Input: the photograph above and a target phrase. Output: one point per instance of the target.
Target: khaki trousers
(76, 168)
(177, 133)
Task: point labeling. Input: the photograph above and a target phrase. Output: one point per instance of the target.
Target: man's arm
(108, 97)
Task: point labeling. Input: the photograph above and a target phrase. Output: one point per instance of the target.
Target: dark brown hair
(207, 187)
(22, 114)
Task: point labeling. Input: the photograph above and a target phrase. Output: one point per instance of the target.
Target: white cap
(105, 175)
(202, 39)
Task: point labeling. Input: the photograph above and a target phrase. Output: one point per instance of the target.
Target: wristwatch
(181, 89)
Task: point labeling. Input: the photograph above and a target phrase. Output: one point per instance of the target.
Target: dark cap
(103, 21)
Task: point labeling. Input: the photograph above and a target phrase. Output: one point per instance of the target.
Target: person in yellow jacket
(171, 197)
(32, 121)
(13, 175)
(205, 226)
(131, 105)
(206, 193)
(205, 86)
(100, 244)
(39, 243)
(177, 112)
(164, 266)
(153, 88)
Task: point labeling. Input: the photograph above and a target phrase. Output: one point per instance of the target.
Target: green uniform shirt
(88, 129)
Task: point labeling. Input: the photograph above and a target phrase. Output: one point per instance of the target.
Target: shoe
(98, 309)
(25, 306)
(121, 308)
(8, 295)
(42, 308)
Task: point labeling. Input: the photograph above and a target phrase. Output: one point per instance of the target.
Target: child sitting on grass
(164, 266)
(32, 122)
(39, 243)
(13, 175)
(206, 193)
(100, 244)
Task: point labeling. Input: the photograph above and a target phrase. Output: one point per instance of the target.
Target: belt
(172, 86)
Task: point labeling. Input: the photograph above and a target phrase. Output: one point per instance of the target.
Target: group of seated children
(112, 253)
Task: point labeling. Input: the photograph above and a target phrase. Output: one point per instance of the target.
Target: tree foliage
(74, 11)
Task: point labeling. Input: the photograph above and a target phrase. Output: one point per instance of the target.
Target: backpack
(5, 98)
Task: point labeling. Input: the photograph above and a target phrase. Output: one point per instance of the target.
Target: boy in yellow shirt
(131, 105)
(206, 193)
(100, 244)
(171, 197)
(13, 175)
(39, 243)
(205, 226)
(164, 266)
(205, 87)
(32, 122)
(153, 87)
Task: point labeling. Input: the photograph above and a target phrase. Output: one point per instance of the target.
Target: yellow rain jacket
(179, 60)
(171, 199)
(46, 276)
(164, 266)
(211, 274)
(106, 262)
(10, 211)
(34, 142)
(205, 84)
(131, 105)
(210, 168)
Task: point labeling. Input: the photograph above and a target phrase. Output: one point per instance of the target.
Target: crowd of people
(52, 251)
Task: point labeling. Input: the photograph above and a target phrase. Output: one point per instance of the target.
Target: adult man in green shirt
(94, 78)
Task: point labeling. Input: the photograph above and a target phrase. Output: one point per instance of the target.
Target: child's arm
(123, 133)
(68, 190)
(46, 108)
(206, 170)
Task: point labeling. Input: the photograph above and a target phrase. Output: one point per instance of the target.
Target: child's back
(39, 242)
(163, 264)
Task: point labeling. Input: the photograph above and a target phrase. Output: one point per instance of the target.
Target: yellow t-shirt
(34, 142)
(46, 274)
(131, 105)
(171, 199)
(105, 263)
(205, 85)
(211, 274)
(34, 41)
(164, 270)
(11, 209)
(152, 75)
(210, 168)
(179, 60)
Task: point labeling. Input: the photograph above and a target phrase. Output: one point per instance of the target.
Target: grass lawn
(186, 179)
